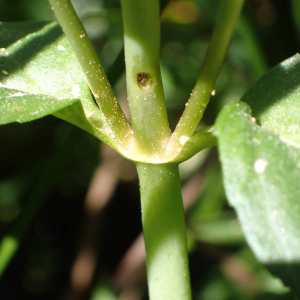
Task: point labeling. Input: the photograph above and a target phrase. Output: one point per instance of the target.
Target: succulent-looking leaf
(275, 99)
(261, 173)
(19, 106)
(40, 75)
(261, 167)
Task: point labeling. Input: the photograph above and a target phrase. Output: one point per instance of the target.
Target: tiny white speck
(4, 51)
(260, 165)
(61, 48)
(4, 72)
(253, 119)
(76, 91)
(256, 141)
(282, 230)
(183, 139)
(213, 92)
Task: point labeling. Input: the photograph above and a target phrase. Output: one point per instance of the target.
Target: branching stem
(92, 68)
(210, 70)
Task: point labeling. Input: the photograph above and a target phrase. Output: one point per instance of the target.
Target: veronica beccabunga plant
(45, 71)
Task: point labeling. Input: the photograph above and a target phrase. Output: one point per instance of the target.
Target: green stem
(91, 67)
(144, 85)
(164, 232)
(210, 70)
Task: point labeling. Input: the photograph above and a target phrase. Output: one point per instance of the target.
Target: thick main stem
(164, 232)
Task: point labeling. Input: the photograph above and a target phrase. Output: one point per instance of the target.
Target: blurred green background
(83, 242)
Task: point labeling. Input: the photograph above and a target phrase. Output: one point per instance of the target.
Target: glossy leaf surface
(22, 107)
(40, 75)
(261, 177)
(275, 99)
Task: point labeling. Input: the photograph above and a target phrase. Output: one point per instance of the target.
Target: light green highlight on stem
(8, 248)
(164, 232)
(210, 70)
(295, 9)
(146, 103)
(92, 68)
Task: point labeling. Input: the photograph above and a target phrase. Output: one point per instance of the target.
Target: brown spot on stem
(144, 81)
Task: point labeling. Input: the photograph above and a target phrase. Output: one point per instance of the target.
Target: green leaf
(40, 75)
(23, 107)
(261, 177)
(275, 99)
